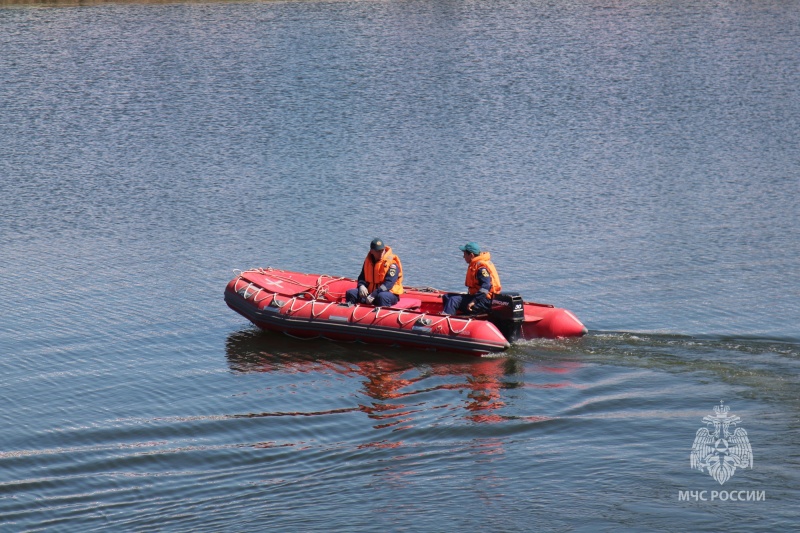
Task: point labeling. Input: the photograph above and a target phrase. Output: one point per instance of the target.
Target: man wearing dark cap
(381, 280)
(482, 281)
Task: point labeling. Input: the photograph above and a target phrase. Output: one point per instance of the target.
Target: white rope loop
(414, 318)
(293, 310)
(453, 330)
(264, 298)
(320, 313)
(357, 320)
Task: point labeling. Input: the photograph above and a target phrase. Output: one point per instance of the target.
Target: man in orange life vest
(381, 280)
(482, 281)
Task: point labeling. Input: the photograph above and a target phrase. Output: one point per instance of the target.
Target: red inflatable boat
(312, 305)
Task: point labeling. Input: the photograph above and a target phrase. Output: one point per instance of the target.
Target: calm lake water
(636, 162)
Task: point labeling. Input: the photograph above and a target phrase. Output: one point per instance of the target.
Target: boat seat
(407, 303)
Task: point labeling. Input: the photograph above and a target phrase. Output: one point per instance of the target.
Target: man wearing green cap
(380, 282)
(482, 281)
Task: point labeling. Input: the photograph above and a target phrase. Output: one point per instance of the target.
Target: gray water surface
(634, 162)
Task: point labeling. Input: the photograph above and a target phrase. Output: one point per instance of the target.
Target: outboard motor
(508, 314)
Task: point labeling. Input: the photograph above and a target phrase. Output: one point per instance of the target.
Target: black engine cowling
(508, 314)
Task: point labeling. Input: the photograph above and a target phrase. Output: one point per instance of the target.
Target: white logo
(718, 449)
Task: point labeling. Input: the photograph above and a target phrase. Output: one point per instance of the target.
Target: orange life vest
(482, 260)
(375, 272)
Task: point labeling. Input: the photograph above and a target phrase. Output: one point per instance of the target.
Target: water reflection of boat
(312, 305)
(391, 383)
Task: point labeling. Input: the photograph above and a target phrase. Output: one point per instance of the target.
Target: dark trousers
(459, 302)
(383, 299)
